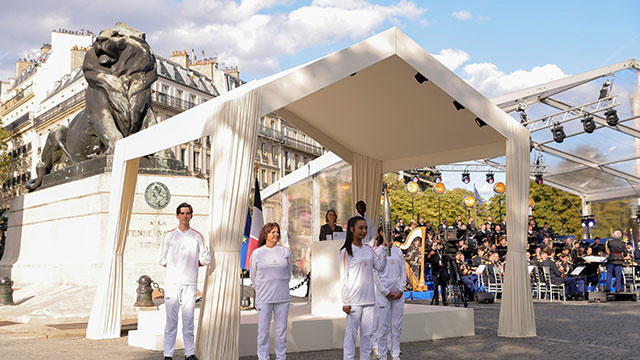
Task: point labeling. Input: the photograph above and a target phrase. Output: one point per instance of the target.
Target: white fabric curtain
(516, 310)
(233, 151)
(367, 184)
(106, 312)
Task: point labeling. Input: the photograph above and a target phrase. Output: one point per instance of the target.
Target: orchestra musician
(617, 254)
(557, 276)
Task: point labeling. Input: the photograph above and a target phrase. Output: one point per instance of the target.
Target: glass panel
(298, 232)
(588, 180)
(335, 192)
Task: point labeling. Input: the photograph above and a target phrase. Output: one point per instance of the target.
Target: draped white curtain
(233, 151)
(367, 184)
(516, 310)
(106, 312)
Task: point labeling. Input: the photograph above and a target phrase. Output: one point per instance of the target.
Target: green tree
(560, 209)
(5, 160)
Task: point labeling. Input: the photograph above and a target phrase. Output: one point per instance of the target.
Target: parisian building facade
(50, 90)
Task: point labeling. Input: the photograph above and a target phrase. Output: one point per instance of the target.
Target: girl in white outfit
(357, 261)
(389, 301)
(270, 275)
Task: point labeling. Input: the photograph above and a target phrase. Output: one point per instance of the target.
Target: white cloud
(491, 81)
(462, 15)
(452, 58)
(252, 34)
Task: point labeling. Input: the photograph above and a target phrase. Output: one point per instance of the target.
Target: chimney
(21, 65)
(45, 49)
(180, 57)
(77, 56)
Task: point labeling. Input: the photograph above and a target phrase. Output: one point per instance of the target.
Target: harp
(417, 283)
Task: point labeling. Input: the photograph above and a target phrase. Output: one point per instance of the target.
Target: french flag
(257, 222)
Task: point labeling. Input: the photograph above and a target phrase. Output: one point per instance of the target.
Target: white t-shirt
(182, 253)
(270, 274)
(356, 274)
(394, 275)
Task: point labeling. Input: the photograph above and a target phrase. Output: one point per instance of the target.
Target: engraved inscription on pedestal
(157, 195)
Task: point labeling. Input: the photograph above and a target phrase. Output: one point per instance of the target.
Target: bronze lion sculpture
(119, 68)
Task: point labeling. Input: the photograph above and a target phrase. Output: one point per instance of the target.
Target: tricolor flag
(245, 243)
(257, 222)
(477, 196)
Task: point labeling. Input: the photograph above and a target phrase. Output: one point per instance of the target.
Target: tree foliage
(5, 159)
(559, 209)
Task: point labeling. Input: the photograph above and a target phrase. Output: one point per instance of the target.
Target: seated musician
(479, 258)
(577, 251)
(468, 278)
(565, 263)
(501, 248)
(598, 248)
(495, 269)
(531, 260)
(557, 275)
(536, 258)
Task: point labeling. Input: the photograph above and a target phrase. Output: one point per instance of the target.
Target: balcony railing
(297, 144)
(60, 108)
(9, 105)
(270, 133)
(171, 101)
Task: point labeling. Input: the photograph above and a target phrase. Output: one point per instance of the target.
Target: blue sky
(496, 46)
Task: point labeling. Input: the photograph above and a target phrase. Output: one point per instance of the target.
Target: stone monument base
(58, 234)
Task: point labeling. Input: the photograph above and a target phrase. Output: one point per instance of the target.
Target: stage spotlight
(539, 179)
(466, 178)
(612, 117)
(558, 133)
(480, 123)
(437, 177)
(420, 78)
(490, 179)
(588, 221)
(458, 105)
(588, 124)
(638, 217)
(604, 92)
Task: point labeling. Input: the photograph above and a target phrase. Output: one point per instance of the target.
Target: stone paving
(573, 330)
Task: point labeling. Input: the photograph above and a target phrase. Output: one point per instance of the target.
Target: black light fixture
(437, 176)
(588, 221)
(588, 124)
(490, 178)
(480, 123)
(538, 179)
(466, 178)
(638, 217)
(612, 117)
(458, 105)
(420, 78)
(530, 144)
(558, 133)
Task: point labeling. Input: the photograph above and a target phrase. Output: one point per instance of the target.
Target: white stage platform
(308, 333)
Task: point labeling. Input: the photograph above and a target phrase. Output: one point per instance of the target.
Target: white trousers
(174, 297)
(360, 317)
(280, 313)
(389, 314)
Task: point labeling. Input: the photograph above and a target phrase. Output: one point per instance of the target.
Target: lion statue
(119, 68)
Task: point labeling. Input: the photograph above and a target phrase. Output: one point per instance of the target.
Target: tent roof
(364, 99)
(603, 165)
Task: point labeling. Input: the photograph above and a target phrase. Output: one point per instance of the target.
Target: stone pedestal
(57, 235)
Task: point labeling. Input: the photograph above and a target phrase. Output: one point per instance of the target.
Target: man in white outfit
(183, 250)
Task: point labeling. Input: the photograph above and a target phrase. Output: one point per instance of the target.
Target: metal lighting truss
(544, 93)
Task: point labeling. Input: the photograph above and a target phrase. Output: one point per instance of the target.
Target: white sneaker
(374, 351)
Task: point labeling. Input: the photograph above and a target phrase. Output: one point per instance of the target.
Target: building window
(297, 163)
(273, 124)
(264, 177)
(179, 93)
(273, 177)
(196, 160)
(274, 156)
(304, 138)
(208, 165)
(183, 157)
(287, 161)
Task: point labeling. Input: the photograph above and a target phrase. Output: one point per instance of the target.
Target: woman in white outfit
(270, 275)
(357, 261)
(389, 301)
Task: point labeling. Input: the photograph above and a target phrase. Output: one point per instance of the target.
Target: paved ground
(574, 330)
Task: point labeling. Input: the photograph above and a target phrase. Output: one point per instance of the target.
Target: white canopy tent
(365, 104)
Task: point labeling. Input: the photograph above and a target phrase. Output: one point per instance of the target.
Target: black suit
(556, 278)
(439, 273)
